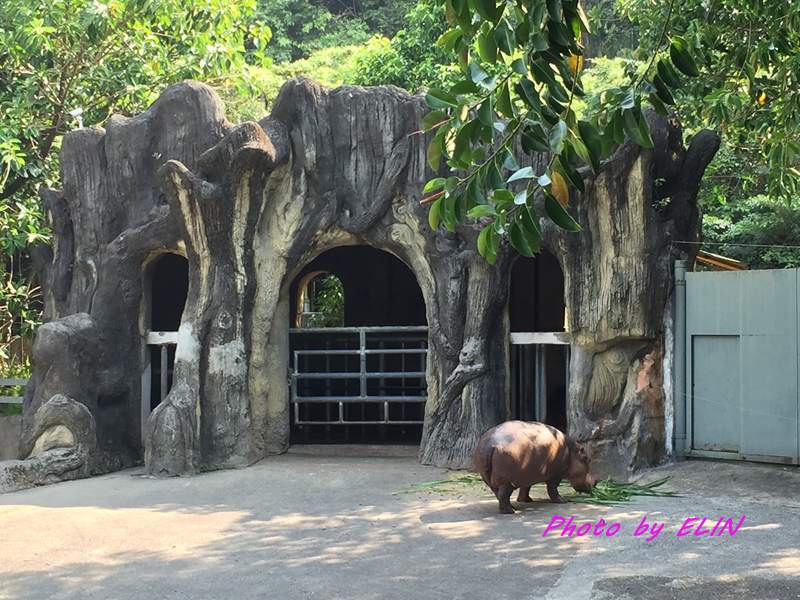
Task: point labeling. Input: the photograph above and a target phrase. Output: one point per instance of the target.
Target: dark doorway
(538, 370)
(379, 289)
(169, 286)
(536, 302)
(366, 371)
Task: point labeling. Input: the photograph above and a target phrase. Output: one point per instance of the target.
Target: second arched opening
(358, 349)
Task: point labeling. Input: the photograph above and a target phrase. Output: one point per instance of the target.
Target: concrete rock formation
(249, 206)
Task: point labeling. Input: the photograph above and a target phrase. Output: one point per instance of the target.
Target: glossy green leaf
(518, 67)
(570, 174)
(434, 153)
(591, 140)
(432, 119)
(494, 180)
(682, 58)
(524, 173)
(532, 144)
(463, 57)
(502, 38)
(560, 36)
(509, 162)
(440, 99)
(485, 112)
(658, 105)
(461, 207)
(517, 239)
(539, 43)
(502, 197)
(433, 185)
(463, 140)
(531, 237)
(662, 91)
(482, 210)
(503, 105)
(557, 136)
(558, 97)
(486, 47)
(465, 86)
(530, 220)
(618, 127)
(636, 128)
(548, 116)
(476, 73)
(668, 74)
(627, 100)
(448, 36)
(488, 242)
(537, 14)
(542, 72)
(528, 93)
(554, 9)
(559, 215)
(433, 215)
(475, 191)
(447, 212)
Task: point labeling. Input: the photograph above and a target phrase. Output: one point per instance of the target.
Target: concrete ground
(323, 522)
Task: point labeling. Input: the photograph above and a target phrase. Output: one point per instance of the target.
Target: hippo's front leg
(552, 490)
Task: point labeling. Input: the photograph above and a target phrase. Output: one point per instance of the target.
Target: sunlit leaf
(559, 215)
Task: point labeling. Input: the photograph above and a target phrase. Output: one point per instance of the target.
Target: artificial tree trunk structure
(251, 205)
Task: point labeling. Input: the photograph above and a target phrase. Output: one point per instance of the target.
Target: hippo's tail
(488, 454)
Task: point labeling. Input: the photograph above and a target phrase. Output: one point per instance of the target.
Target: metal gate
(359, 375)
(157, 373)
(539, 374)
(741, 365)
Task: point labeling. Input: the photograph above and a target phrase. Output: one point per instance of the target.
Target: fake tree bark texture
(251, 205)
(617, 281)
(337, 167)
(108, 223)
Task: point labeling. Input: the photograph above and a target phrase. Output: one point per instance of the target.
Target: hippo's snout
(584, 488)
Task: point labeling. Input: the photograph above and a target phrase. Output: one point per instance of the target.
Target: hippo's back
(512, 448)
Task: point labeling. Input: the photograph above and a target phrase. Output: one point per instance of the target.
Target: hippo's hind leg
(552, 490)
(524, 494)
(503, 494)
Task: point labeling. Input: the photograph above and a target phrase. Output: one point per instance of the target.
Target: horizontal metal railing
(372, 385)
(8, 383)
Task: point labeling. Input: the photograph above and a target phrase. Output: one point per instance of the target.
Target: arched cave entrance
(167, 285)
(358, 349)
(539, 359)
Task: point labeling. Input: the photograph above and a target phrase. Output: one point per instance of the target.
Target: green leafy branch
(534, 49)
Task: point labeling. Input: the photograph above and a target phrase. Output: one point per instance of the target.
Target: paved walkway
(317, 523)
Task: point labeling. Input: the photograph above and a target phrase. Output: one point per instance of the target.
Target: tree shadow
(303, 527)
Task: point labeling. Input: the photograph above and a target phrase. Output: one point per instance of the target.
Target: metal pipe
(164, 372)
(679, 382)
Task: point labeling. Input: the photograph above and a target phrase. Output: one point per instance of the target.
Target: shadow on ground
(315, 526)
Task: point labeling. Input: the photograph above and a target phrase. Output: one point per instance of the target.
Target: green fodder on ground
(607, 491)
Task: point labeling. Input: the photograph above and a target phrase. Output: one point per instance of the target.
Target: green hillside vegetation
(116, 57)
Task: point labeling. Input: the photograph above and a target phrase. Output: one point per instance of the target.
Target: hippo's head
(578, 474)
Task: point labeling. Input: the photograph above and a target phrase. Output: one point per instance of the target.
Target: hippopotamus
(519, 454)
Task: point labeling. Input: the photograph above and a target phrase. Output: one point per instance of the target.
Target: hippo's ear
(582, 453)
